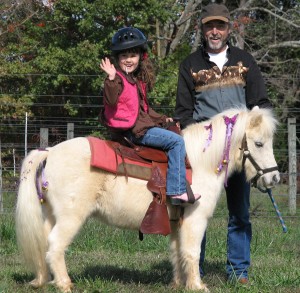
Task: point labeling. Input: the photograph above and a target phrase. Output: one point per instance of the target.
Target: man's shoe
(243, 281)
(240, 280)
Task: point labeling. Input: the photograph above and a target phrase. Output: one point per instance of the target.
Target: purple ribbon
(229, 122)
(208, 140)
(43, 186)
(41, 178)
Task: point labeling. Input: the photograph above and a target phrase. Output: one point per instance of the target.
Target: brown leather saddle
(156, 220)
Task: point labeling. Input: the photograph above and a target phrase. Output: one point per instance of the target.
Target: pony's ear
(255, 121)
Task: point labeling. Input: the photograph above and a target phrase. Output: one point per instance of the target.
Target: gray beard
(216, 47)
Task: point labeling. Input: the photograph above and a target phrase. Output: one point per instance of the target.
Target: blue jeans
(173, 144)
(239, 228)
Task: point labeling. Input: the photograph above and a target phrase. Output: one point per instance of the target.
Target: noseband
(247, 155)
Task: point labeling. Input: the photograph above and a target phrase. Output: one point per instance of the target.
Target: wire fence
(13, 137)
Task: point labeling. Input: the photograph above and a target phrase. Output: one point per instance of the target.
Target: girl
(126, 107)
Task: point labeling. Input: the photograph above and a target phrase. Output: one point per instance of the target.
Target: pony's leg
(48, 226)
(191, 235)
(175, 213)
(59, 239)
(174, 257)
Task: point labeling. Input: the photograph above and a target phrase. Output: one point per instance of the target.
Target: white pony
(77, 191)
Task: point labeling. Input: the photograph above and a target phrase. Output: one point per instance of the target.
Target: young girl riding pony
(126, 107)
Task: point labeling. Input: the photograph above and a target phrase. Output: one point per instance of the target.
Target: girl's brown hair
(146, 71)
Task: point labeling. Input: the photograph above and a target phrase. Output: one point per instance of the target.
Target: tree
(269, 30)
(50, 50)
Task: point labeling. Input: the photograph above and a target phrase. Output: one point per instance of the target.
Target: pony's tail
(30, 229)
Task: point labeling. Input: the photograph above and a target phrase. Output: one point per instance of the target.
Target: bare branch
(187, 17)
(270, 12)
(291, 44)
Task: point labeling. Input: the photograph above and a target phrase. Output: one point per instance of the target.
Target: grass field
(105, 259)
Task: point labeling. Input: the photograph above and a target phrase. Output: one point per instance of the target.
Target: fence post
(44, 137)
(292, 165)
(70, 130)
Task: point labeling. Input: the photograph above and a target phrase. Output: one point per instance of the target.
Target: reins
(259, 170)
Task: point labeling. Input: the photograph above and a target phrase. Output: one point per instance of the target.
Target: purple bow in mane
(229, 122)
(208, 140)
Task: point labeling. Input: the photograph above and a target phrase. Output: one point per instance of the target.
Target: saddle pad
(104, 157)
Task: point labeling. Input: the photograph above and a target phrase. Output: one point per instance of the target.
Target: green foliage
(163, 95)
(11, 108)
(7, 235)
(54, 55)
(51, 55)
(166, 82)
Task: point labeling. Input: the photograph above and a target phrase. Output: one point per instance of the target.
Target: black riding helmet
(127, 38)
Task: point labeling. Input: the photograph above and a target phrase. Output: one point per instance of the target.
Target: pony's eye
(258, 144)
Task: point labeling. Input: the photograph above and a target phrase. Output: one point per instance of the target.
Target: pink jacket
(124, 114)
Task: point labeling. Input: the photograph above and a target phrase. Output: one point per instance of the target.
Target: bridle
(259, 170)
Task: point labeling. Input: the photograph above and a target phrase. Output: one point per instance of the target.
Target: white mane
(246, 121)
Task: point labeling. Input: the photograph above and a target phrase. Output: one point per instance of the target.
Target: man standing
(216, 77)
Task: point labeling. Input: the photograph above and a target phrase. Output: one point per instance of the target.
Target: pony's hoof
(201, 287)
(36, 283)
(174, 285)
(66, 288)
(63, 285)
(204, 288)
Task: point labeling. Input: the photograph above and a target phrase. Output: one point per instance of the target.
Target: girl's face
(128, 61)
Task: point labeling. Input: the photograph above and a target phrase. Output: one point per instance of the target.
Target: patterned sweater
(204, 91)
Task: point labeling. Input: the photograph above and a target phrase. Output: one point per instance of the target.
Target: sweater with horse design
(204, 90)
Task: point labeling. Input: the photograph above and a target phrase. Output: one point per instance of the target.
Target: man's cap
(214, 11)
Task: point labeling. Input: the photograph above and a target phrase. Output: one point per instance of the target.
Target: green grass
(105, 259)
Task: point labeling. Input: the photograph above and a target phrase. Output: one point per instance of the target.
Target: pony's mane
(204, 154)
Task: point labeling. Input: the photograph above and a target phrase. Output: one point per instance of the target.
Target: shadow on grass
(214, 268)
(22, 278)
(214, 272)
(159, 273)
